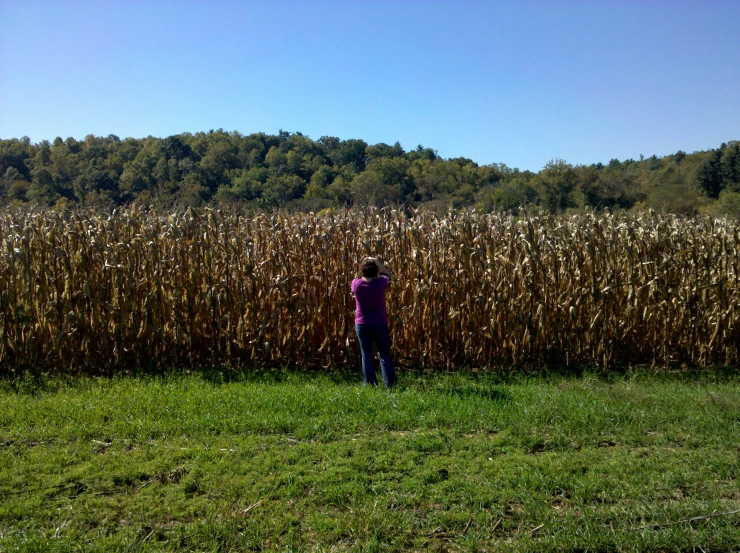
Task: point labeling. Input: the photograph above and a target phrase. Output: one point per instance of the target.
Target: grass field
(307, 462)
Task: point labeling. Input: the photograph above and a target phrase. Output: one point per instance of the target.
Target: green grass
(306, 462)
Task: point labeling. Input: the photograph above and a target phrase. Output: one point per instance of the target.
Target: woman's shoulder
(381, 281)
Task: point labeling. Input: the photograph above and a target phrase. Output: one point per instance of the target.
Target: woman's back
(370, 300)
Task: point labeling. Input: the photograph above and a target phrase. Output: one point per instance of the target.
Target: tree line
(292, 171)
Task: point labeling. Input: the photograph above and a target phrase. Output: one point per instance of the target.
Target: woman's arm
(382, 270)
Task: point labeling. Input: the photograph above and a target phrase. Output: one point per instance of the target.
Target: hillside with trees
(292, 171)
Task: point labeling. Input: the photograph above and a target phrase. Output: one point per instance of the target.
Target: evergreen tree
(710, 174)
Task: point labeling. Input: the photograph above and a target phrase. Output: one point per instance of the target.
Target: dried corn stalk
(133, 288)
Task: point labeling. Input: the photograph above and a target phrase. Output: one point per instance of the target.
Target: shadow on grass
(488, 393)
(462, 382)
(275, 375)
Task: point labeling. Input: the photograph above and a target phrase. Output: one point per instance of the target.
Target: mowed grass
(288, 461)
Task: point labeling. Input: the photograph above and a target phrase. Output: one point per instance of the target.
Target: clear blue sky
(515, 82)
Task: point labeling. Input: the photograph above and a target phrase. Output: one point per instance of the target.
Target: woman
(371, 320)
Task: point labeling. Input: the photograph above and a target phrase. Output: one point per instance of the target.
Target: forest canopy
(292, 171)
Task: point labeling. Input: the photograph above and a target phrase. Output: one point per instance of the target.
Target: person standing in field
(371, 320)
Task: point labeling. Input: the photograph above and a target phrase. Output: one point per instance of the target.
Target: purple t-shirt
(370, 300)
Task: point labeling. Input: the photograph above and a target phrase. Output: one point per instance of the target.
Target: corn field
(96, 292)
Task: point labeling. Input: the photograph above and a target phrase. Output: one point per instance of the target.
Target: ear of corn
(135, 288)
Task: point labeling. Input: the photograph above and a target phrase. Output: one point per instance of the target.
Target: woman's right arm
(382, 270)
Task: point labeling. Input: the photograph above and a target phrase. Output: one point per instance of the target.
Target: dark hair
(369, 269)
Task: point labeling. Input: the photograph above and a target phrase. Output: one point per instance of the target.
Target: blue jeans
(370, 335)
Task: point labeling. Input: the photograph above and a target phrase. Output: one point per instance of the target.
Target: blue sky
(512, 82)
